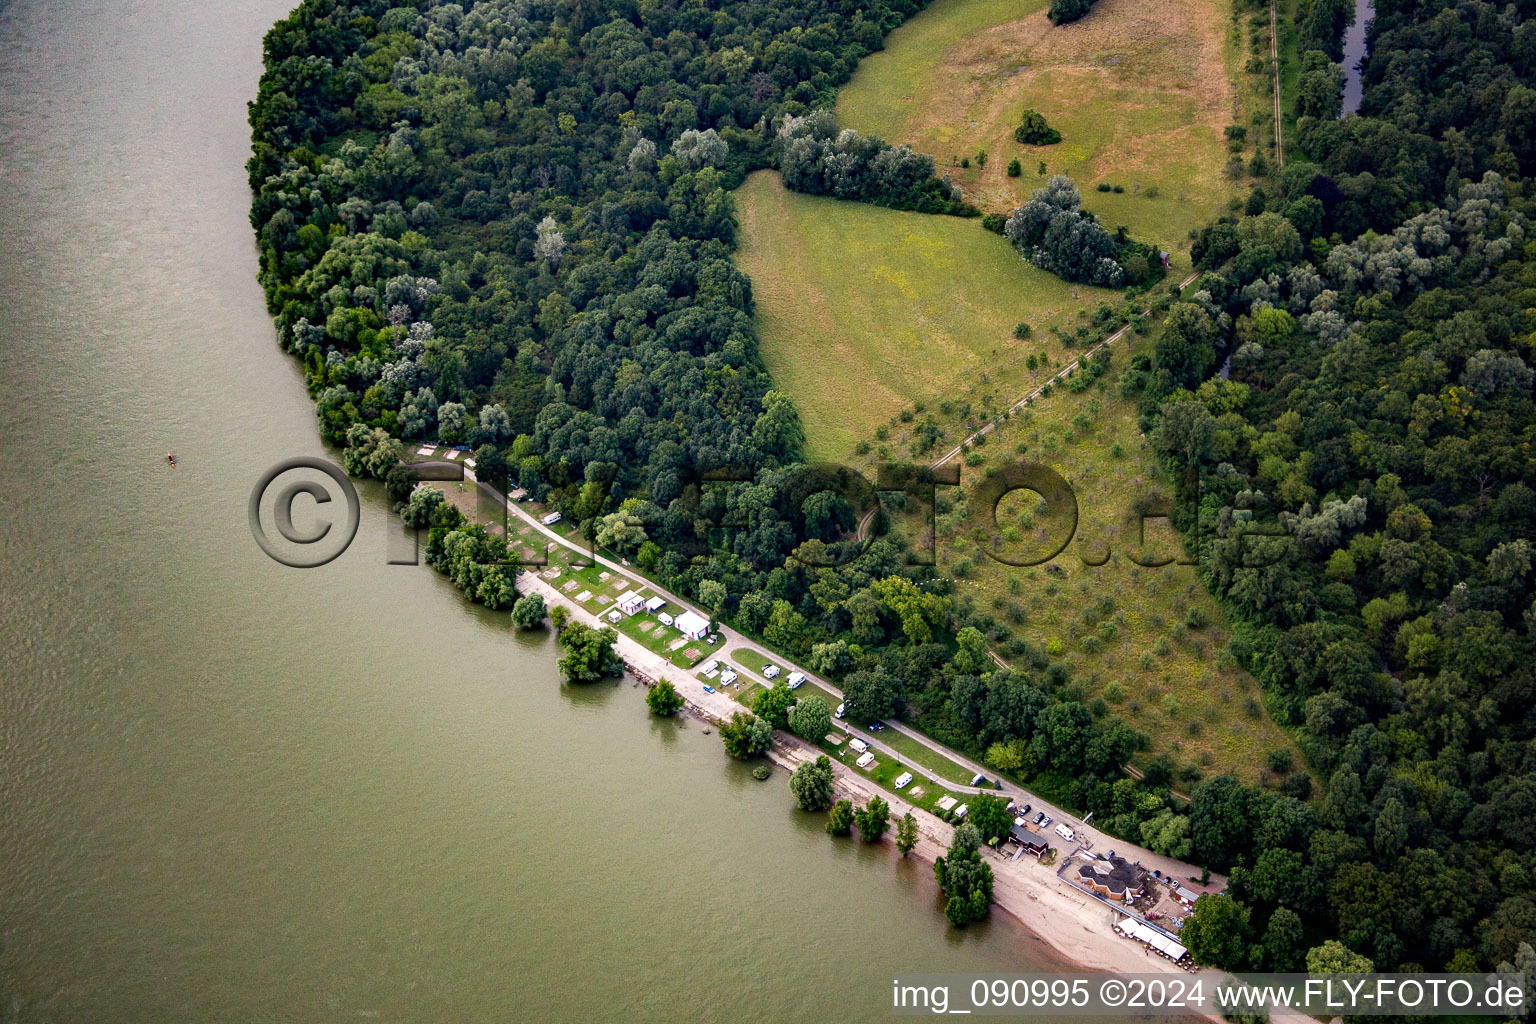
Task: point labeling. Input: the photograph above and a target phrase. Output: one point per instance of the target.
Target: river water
(235, 791)
(1355, 53)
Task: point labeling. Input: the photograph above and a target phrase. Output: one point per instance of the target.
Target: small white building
(655, 605)
(630, 602)
(692, 625)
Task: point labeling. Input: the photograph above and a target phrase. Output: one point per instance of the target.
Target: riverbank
(1074, 927)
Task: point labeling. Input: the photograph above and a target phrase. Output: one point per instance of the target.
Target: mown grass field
(1140, 92)
(864, 310)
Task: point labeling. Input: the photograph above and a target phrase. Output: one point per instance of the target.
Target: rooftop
(1116, 874)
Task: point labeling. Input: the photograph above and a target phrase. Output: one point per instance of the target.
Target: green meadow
(1140, 93)
(864, 310)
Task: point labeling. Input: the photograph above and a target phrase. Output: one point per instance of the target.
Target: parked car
(841, 710)
(1024, 811)
(1047, 822)
(1039, 817)
(876, 726)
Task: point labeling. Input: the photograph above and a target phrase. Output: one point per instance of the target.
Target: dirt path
(1060, 375)
(1274, 56)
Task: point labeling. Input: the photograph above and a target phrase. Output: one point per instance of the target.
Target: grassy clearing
(890, 307)
(1149, 642)
(914, 752)
(1140, 92)
(886, 770)
(750, 660)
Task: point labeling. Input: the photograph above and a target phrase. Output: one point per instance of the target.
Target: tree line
(1365, 507)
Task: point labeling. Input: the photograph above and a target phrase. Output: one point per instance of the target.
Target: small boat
(171, 459)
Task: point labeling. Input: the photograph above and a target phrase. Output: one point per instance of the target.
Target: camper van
(1066, 833)
(795, 679)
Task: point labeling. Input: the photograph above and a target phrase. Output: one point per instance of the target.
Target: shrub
(663, 699)
(1033, 131)
(840, 821)
(1063, 11)
(1298, 786)
(1022, 330)
(1103, 186)
(1015, 168)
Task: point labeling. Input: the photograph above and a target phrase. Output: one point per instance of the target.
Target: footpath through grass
(863, 310)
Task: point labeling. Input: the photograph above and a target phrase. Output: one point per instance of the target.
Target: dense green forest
(510, 227)
(1365, 506)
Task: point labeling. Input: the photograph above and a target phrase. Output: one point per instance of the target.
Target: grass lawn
(893, 307)
(1140, 93)
(752, 661)
(886, 770)
(915, 753)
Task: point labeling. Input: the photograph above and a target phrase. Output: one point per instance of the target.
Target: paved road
(720, 704)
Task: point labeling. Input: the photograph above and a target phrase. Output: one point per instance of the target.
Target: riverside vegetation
(511, 228)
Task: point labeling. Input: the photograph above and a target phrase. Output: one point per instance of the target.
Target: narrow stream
(1355, 53)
